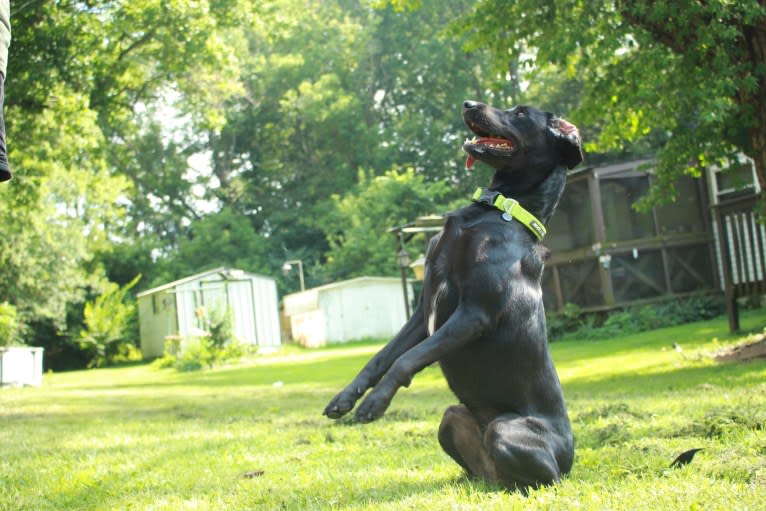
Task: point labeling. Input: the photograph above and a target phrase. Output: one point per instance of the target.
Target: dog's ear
(569, 140)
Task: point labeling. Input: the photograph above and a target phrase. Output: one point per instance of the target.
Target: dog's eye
(521, 114)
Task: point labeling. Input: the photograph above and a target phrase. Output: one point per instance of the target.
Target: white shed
(173, 309)
(347, 310)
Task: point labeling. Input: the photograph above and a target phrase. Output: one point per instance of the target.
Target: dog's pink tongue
(490, 141)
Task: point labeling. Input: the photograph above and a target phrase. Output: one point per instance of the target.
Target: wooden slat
(741, 245)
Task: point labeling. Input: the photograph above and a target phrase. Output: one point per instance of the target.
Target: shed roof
(621, 169)
(234, 274)
(352, 282)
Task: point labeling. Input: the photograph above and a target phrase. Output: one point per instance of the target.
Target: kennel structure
(605, 254)
(181, 309)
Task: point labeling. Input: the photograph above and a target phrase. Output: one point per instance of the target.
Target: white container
(21, 365)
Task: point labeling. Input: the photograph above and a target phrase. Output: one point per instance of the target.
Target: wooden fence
(742, 247)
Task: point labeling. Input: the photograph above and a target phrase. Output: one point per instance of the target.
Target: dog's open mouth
(486, 145)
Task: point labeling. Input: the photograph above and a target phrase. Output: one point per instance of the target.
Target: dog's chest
(440, 295)
(476, 254)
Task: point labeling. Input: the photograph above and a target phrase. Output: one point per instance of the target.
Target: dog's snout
(468, 104)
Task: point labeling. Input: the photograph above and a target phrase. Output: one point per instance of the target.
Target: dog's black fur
(481, 313)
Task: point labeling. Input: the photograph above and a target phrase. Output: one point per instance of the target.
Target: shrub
(193, 354)
(106, 320)
(572, 322)
(568, 320)
(196, 354)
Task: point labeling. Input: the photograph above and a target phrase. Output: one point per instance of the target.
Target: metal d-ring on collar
(511, 209)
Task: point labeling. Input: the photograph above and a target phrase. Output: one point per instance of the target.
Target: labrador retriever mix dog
(481, 310)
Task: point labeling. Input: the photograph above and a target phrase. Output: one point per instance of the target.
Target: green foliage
(203, 352)
(57, 207)
(647, 70)
(79, 76)
(225, 238)
(217, 346)
(198, 353)
(572, 322)
(9, 324)
(335, 87)
(357, 226)
(106, 321)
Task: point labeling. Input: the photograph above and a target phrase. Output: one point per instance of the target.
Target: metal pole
(403, 271)
(300, 274)
(406, 295)
(286, 270)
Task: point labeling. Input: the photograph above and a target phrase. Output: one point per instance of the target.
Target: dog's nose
(468, 104)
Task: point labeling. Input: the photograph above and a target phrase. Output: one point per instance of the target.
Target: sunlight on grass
(251, 436)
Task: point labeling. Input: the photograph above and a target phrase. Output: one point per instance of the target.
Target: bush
(193, 354)
(196, 355)
(566, 321)
(572, 322)
(106, 320)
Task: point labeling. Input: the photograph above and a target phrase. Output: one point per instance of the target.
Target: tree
(79, 75)
(357, 226)
(56, 208)
(691, 72)
(335, 87)
(224, 238)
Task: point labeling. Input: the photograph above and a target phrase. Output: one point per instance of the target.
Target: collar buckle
(506, 205)
(511, 210)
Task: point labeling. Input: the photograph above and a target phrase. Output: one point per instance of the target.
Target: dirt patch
(755, 347)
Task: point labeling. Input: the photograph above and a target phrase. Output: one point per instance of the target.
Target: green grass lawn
(252, 437)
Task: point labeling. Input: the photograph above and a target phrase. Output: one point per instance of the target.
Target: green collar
(511, 209)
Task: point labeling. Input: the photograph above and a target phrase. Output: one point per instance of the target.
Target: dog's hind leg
(461, 436)
(526, 451)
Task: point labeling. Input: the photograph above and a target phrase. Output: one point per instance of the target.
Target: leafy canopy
(691, 73)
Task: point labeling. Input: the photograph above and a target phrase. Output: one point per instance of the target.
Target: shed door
(241, 304)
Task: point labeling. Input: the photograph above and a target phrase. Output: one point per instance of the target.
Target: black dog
(481, 310)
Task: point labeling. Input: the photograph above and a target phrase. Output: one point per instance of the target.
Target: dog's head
(520, 139)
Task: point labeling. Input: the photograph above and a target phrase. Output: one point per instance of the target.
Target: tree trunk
(755, 41)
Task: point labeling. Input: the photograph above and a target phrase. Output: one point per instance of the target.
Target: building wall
(366, 309)
(345, 311)
(157, 319)
(309, 329)
(264, 294)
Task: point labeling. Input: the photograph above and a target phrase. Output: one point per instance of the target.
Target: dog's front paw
(373, 407)
(341, 404)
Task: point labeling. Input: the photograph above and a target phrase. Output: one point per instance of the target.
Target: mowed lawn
(252, 437)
